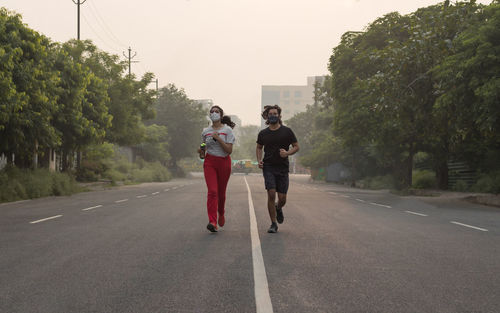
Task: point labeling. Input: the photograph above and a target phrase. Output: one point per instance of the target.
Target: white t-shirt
(213, 146)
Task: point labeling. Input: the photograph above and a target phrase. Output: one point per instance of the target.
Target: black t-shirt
(273, 141)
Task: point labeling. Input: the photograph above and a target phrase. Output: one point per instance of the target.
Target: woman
(218, 139)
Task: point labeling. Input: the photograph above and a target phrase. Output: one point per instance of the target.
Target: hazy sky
(223, 50)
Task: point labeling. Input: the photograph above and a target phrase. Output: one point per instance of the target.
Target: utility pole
(78, 3)
(130, 57)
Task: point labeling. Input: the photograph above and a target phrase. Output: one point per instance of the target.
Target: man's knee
(281, 199)
(271, 194)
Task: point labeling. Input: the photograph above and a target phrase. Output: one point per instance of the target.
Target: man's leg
(270, 181)
(279, 207)
(271, 199)
(282, 183)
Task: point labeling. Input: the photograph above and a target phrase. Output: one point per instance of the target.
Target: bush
(461, 186)
(424, 179)
(17, 184)
(378, 182)
(488, 183)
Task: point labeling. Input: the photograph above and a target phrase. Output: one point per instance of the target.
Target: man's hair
(267, 108)
(224, 119)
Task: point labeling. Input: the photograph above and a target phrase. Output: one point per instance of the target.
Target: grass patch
(19, 184)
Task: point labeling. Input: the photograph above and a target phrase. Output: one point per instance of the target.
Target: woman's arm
(227, 147)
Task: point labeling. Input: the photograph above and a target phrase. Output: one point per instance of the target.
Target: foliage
(17, 184)
(488, 183)
(378, 182)
(424, 179)
(184, 120)
(245, 144)
(423, 82)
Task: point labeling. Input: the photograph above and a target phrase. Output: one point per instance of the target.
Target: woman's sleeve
(230, 136)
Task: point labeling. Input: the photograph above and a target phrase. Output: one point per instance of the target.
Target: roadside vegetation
(413, 101)
(70, 112)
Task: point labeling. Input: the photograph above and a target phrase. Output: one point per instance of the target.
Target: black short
(276, 178)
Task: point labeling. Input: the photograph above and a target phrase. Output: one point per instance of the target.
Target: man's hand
(283, 153)
(261, 164)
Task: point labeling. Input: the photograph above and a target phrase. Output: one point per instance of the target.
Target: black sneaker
(211, 227)
(279, 215)
(273, 228)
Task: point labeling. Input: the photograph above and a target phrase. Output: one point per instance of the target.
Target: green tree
(469, 91)
(246, 143)
(184, 120)
(28, 94)
(82, 117)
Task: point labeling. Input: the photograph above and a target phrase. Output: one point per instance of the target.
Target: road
(145, 248)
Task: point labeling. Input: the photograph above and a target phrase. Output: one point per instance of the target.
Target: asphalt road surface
(145, 248)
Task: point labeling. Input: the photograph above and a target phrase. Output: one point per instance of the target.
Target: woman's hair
(224, 119)
(267, 108)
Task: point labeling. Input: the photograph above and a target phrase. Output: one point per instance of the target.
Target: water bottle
(203, 147)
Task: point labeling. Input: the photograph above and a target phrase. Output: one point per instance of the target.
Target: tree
(469, 91)
(184, 120)
(28, 94)
(245, 143)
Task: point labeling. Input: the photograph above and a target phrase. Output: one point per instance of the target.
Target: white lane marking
(123, 200)
(360, 200)
(174, 187)
(419, 214)
(92, 207)
(155, 193)
(333, 193)
(345, 196)
(470, 226)
(262, 298)
(385, 206)
(45, 219)
(167, 189)
(142, 196)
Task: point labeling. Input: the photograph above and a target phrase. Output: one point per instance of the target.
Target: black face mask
(273, 119)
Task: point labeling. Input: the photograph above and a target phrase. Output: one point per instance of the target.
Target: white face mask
(215, 116)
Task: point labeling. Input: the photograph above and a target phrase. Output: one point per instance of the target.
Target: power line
(103, 25)
(97, 35)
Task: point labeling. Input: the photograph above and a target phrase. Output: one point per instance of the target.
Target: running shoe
(211, 227)
(273, 228)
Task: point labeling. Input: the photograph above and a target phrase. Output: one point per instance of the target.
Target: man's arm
(258, 152)
(295, 148)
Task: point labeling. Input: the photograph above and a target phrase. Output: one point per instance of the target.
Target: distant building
(291, 99)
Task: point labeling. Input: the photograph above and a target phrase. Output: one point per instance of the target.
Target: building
(291, 99)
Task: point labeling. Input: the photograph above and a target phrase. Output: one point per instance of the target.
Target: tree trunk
(353, 170)
(409, 169)
(442, 175)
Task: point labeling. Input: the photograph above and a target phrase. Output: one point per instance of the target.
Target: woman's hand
(215, 135)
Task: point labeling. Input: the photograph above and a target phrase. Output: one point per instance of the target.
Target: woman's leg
(210, 171)
(224, 171)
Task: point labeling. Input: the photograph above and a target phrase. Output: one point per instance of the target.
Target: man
(276, 140)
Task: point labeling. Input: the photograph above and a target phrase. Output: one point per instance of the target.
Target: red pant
(217, 171)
